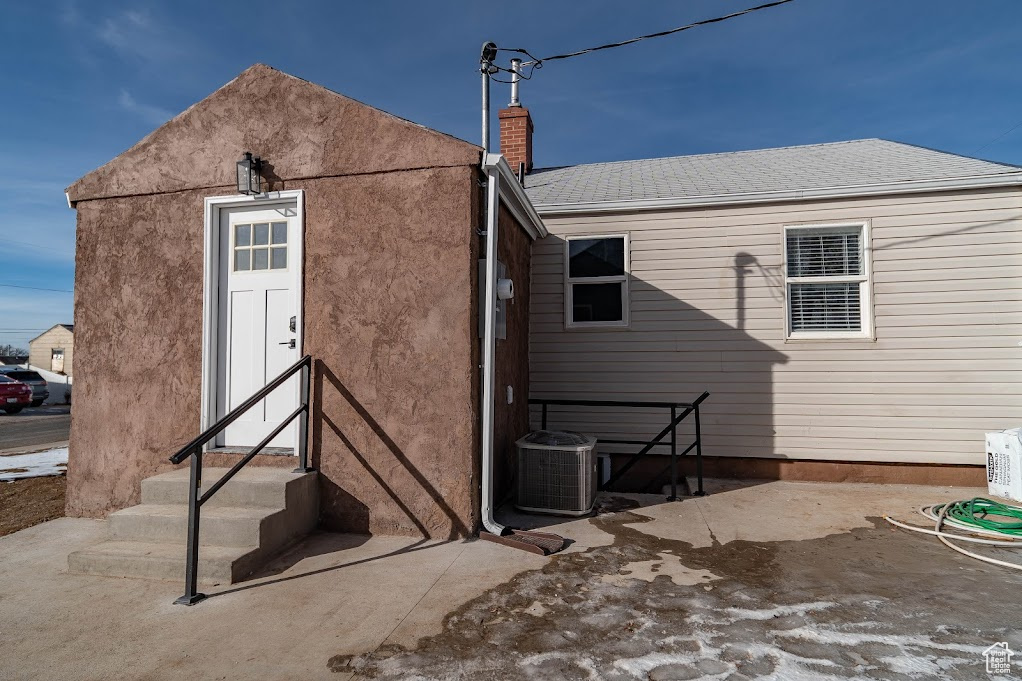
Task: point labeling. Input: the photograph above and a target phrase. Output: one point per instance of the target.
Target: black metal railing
(194, 450)
(647, 445)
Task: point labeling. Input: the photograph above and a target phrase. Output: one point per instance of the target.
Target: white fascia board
(513, 196)
(912, 187)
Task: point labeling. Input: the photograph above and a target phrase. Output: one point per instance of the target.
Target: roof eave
(33, 340)
(910, 187)
(513, 196)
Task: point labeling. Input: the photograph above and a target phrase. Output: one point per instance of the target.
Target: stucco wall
(388, 318)
(511, 421)
(391, 212)
(138, 330)
(301, 130)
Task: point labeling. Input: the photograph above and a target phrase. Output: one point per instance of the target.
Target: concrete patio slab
(783, 580)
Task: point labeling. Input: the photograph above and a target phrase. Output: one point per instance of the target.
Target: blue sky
(85, 80)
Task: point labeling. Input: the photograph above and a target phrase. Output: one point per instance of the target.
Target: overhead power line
(996, 139)
(537, 63)
(36, 288)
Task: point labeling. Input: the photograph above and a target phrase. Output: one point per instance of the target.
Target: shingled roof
(858, 167)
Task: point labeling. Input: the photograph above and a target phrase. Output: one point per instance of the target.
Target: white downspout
(489, 303)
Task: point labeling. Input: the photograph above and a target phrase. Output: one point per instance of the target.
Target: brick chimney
(516, 136)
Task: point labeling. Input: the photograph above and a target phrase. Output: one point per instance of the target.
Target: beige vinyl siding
(708, 313)
(41, 348)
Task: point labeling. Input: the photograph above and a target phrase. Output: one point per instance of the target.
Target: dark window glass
(596, 257)
(596, 302)
(4, 379)
(24, 375)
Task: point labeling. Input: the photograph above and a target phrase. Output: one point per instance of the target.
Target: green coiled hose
(985, 514)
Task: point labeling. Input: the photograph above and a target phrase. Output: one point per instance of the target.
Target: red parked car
(14, 395)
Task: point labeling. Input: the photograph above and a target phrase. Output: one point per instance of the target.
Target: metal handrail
(195, 447)
(671, 429)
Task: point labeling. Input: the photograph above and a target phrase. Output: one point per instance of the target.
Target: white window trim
(868, 330)
(569, 281)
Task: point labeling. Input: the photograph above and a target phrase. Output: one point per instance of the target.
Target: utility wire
(997, 139)
(35, 288)
(655, 35)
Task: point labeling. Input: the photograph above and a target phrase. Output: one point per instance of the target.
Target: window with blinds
(827, 282)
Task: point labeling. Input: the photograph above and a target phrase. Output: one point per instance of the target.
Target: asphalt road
(34, 427)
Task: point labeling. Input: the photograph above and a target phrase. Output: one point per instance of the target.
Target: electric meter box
(1004, 464)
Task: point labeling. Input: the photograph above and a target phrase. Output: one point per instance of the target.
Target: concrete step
(155, 560)
(218, 525)
(247, 522)
(259, 486)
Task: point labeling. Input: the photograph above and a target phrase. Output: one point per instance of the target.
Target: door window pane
(596, 302)
(262, 234)
(260, 246)
(278, 258)
(279, 233)
(596, 257)
(242, 235)
(260, 258)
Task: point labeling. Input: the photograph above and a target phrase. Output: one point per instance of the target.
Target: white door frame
(211, 289)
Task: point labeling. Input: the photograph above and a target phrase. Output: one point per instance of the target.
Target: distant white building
(53, 350)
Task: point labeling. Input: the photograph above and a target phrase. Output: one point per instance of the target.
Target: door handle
(290, 343)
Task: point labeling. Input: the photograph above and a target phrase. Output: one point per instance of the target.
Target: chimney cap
(516, 74)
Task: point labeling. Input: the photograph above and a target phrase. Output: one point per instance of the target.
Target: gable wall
(301, 130)
(707, 308)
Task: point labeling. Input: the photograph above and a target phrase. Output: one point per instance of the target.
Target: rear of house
(854, 309)
(851, 308)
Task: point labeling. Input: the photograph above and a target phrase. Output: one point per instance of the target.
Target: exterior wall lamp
(250, 180)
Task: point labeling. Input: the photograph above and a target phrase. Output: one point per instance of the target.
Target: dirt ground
(28, 502)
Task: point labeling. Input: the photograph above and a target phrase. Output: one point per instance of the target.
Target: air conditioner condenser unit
(556, 473)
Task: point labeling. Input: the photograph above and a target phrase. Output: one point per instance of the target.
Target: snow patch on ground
(34, 465)
(779, 611)
(668, 565)
(843, 638)
(582, 663)
(779, 657)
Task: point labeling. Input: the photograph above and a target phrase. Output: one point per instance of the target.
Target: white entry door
(257, 339)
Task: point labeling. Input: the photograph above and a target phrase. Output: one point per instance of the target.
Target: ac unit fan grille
(556, 479)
